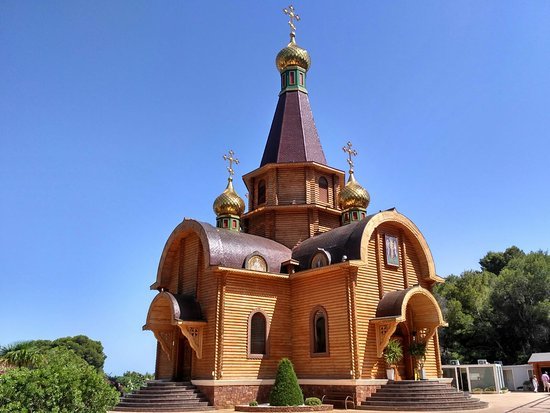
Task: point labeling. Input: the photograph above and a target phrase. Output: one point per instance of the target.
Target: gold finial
(290, 13)
(231, 161)
(350, 152)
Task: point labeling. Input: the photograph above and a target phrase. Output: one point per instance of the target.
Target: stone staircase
(164, 396)
(407, 395)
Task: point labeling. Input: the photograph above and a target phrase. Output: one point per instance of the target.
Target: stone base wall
(223, 397)
(317, 390)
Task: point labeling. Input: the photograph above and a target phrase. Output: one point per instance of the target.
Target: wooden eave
(247, 178)
(218, 270)
(326, 269)
(292, 207)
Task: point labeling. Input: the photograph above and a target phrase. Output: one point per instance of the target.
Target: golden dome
(228, 202)
(292, 55)
(353, 195)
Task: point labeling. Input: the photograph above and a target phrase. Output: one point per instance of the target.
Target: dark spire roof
(293, 136)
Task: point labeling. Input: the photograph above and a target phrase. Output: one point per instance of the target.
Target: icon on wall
(392, 250)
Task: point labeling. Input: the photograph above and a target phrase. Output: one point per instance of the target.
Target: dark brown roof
(188, 308)
(293, 136)
(345, 240)
(391, 303)
(230, 248)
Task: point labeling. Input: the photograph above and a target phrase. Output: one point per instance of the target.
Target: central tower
(293, 195)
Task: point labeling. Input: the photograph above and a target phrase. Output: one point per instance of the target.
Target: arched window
(257, 335)
(261, 192)
(323, 189)
(319, 327)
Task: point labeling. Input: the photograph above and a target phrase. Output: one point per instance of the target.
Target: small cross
(231, 161)
(350, 152)
(292, 15)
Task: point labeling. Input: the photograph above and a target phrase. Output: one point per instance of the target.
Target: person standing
(535, 384)
(545, 381)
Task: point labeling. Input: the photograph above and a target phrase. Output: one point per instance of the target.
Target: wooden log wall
(244, 295)
(327, 289)
(207, 293)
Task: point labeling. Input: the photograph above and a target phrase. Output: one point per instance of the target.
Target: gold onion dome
(353, 195)
(292, 55)
(228, 202)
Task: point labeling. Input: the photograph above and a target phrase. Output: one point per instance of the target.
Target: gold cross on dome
(350, 152)
(290, 13)
(231, 161)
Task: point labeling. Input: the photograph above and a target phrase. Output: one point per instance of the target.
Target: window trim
(312, 321)
(251, 355)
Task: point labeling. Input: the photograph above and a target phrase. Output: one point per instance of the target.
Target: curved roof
(394, 304)
(225, 248)
(338, 242)
(352, 240)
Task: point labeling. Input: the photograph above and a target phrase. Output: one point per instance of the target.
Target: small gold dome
(292, 55)
(228, 202)
(353, 195)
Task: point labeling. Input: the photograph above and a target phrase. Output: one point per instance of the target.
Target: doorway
(184, 360)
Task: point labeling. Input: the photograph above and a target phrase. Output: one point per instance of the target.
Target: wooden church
(306, 273)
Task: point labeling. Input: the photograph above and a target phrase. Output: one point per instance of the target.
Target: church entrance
(184, 360)
(405, 368)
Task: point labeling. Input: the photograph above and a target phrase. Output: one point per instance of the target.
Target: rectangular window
(291, 77)
(301, 79)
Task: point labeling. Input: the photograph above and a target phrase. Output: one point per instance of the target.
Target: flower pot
(390, 373)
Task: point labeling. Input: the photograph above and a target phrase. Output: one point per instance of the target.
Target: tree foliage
(60, 382)
(286, 391)
(25, 353)
(132, 380)
(499, 313)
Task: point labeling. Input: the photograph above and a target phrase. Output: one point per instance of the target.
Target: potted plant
(417, 349)
(393, 353)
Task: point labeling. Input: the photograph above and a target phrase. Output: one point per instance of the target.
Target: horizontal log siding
(431, 365)
(292, 228)
(190, 265)
(244, 295)
(366, 305)
(161, 313)
(328, 221)
(291, 187)
(203, 368)
(328, 289)
(172, 264)
(412, 260)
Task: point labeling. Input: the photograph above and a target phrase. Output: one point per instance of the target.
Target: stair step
(164, 396)
(419, 396)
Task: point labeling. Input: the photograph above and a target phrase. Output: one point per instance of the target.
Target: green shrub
(132, 380)
(61, 382)
(477, 390)
(286, 390)
(313, 401)
(253, 403)
(490, 388)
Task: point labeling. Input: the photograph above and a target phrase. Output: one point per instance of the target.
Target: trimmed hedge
(286, 391)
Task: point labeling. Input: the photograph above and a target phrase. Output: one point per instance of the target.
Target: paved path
(513, 402)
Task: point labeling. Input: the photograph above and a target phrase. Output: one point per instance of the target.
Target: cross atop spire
(290, 13)
(350, 152)
(231, 160)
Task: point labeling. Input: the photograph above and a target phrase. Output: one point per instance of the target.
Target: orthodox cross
(350, 152)
(292, 16)
(231, 161)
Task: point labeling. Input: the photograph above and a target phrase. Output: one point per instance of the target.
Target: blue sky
(114, 116)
